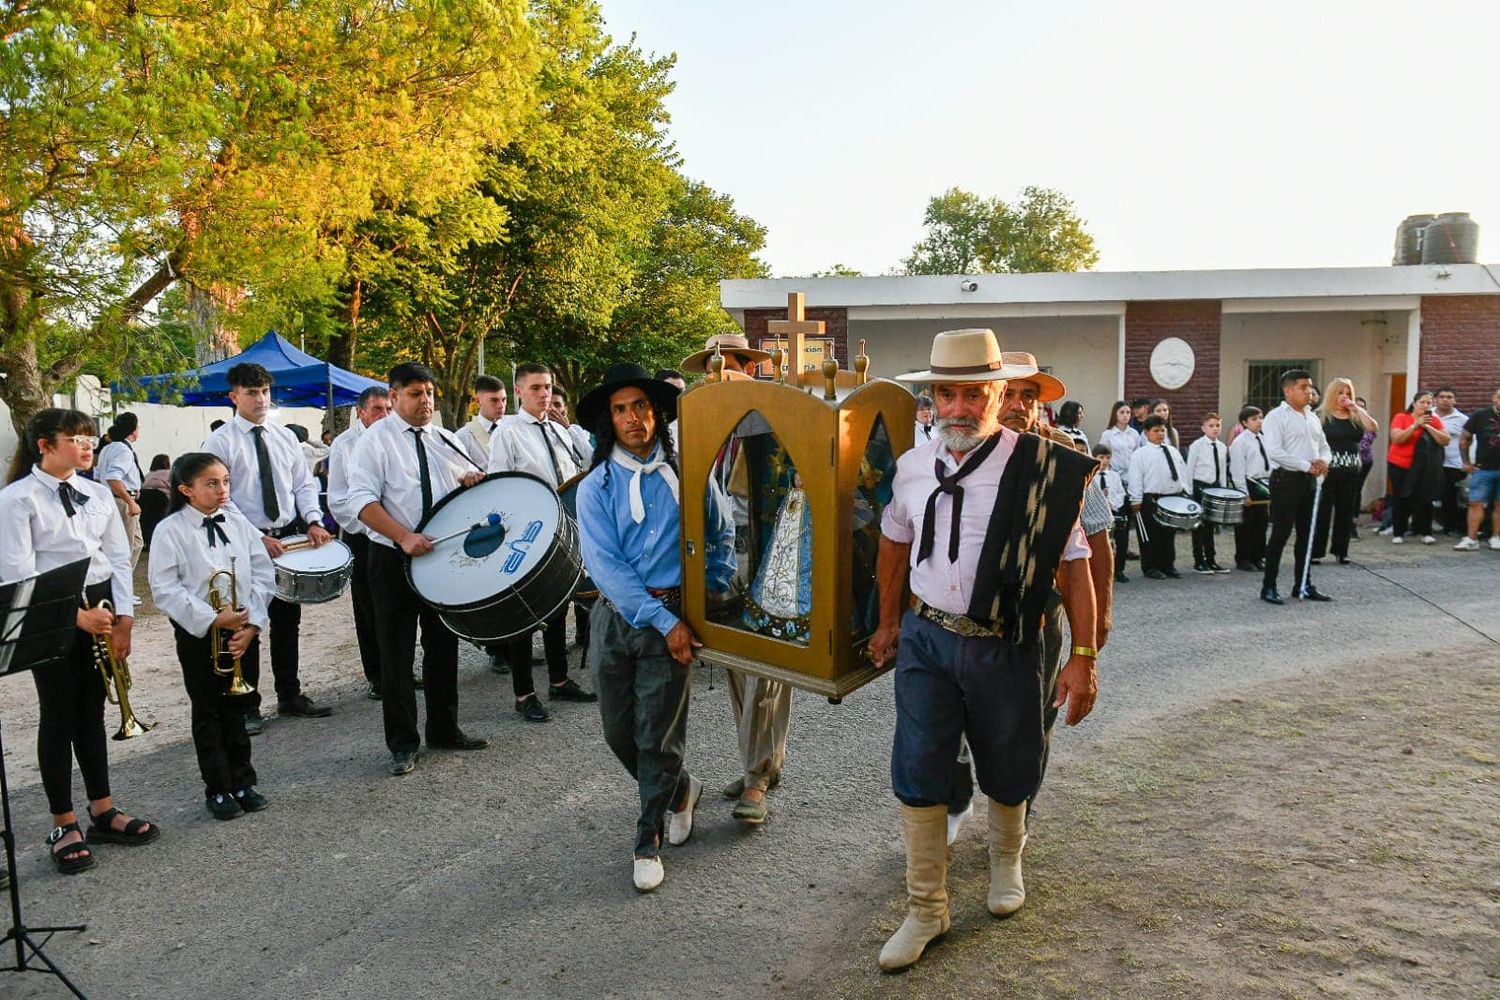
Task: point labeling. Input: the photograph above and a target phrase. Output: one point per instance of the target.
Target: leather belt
(957, 624)
(296, 526)
(670, 597)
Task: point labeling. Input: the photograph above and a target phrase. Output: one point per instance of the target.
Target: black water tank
(1451, 238)
(1409, 239)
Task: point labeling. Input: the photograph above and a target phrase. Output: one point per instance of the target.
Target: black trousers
(1159, 549)
(1291, 507)
(218, 720)
(364, 611)
(70, 697)
(1455, 515)
(1250, 534)
(1121, 536)
(1406, 512)
(398, 611)
(554, 642)
(1203, 535)
(1336, 509)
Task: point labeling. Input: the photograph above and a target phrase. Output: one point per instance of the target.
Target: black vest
(1040, 498)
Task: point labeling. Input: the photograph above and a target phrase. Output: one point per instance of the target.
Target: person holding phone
(1415, 462)
(1345, 423)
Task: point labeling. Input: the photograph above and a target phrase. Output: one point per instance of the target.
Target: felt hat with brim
(727, 343)
(1050, 388)
(596, 402)
(967, 356)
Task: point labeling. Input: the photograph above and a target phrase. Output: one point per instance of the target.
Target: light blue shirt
(625, 558)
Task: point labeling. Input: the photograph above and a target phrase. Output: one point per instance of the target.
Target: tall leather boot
(1007, 841)
(926, 830)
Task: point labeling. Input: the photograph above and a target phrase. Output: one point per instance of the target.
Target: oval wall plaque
(1172, 363)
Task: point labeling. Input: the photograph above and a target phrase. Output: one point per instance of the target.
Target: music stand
(37, 620)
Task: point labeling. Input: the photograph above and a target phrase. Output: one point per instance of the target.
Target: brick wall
(1198, 323)
(835, 320)
(1461, 347)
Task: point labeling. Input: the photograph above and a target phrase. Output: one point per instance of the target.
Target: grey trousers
(762, 709)
(643, 701)
(132, 535)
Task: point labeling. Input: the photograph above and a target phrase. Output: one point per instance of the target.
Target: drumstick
(489, 522)
(1140, 525)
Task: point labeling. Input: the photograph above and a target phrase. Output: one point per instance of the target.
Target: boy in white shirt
(1208, 466)
(1250, 472)
(1156, 471)
(1114, 491)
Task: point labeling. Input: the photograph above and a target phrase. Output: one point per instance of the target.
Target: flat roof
(1113, 288)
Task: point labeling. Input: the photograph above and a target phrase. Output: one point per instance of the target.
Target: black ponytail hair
(44, 426)
(187, 468)
(604, 439)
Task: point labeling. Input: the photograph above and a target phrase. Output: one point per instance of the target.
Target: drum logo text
(521, 546)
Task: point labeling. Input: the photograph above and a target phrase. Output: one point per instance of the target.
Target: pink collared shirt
(946, 585)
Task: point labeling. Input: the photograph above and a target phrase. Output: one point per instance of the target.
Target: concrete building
(1203, 340)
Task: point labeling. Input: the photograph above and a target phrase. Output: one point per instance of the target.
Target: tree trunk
(23, 388)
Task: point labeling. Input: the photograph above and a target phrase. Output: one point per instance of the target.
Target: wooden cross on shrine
(795, 328)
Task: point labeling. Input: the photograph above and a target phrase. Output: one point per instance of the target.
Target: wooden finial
(830, 376)
(776, 359)
(861, 365)
(716, 365)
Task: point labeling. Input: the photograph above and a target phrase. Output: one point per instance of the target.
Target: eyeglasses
(83, 441)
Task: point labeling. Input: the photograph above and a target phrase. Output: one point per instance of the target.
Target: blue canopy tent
(301, 379)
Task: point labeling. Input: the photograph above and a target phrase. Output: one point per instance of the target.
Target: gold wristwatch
(1088, 651)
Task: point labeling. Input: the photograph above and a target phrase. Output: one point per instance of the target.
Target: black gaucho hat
(596, 403)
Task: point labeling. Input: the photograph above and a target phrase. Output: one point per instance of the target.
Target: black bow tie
(73, 500)
(949, 485)
(213, 526)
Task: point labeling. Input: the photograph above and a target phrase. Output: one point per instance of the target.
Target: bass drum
(505, 558)
(588, 591)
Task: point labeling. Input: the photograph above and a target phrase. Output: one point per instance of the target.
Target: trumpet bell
(131, 727)
(239, 685)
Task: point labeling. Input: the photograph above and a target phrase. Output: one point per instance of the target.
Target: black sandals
(136, 832)
(73, 858)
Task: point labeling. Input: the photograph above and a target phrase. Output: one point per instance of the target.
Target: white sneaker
(1397, 540)
(680, 824)
(647, 874)
(956, 821)
(1383, 531)
(1467, 545)
(1428, 540)
(1495, 542)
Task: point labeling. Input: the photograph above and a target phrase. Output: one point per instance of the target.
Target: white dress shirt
(117, 461)
(338, 479)
(946, 585)
(1247, 461)
(583, 444)
(1208, 462)
(1122, 444)
(475, 437)
(182, 562)
(521, 444)
(1294, 440)
(296, 489)
(1114, 487)
(922, 433)
(1150, 472)
(384, 470)
(36, 534)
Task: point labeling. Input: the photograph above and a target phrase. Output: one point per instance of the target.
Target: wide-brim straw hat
(726, 343)
(596, 402)
(972, 355)
(1050, 388)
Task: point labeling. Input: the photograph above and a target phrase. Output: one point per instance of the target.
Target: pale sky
(1189, 135)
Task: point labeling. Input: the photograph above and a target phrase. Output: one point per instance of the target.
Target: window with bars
(1263, 380)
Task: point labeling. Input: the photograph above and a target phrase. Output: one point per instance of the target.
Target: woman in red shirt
(1415, 463)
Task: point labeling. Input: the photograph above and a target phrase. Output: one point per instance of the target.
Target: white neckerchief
(629, 461)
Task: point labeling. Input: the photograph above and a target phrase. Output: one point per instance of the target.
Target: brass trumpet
(116, 675)
(219, 640)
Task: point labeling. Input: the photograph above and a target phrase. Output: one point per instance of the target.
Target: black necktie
(926, 432)
(71, 498)
(1171, 465)
(557, 476)
(214, 527)
(949, 485)
(1218, 471)
(268, 501)
(1262, 446)
(424, 473)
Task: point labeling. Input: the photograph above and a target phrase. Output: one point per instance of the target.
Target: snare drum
(1178, 512)
(307, 575)
(505, 557)
(1223, 506)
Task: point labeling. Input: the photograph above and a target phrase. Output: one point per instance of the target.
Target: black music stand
(37, 620)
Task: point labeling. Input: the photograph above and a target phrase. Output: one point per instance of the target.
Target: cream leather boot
(1007, 840)
(926, 830)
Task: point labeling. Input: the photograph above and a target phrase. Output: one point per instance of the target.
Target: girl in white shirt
(198, 541)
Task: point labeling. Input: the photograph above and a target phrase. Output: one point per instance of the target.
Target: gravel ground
(506, 872)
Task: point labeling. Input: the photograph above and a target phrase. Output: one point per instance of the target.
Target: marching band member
(1208, 467)
(968, 663)
(401, 467)
(374, 403)
(270, 484)
(120, 470)
(489, 398)
(1298, 453)
(530, 442)
(1156, 471)
(630, 524)
(50, 517)
(205, 546)
(1248, 461)
(1113, 488)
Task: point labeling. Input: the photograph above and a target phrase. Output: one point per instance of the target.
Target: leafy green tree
(838, 271)
(967, 234)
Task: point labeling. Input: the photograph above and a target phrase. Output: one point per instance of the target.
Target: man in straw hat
(630, 523)
(983, 520)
